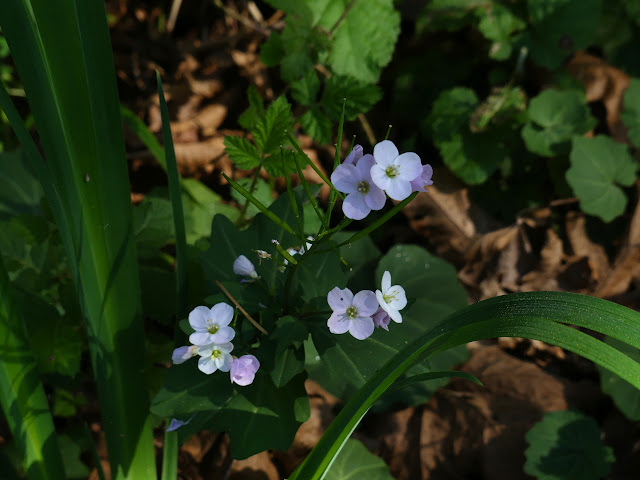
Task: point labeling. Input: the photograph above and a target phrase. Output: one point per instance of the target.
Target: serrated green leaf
(269, 132)
(20, 191)
(343, 364)
(554, 117)
(449, 15)
(360, 97)
(560, 27)
(355, 462)
(497, 24)
(364, 40)
(630, 114)
(272, 51)
(305, 90)
(624, 395)
(242, 152)
(297, 40)
(597, 166)
(251, 115)
(262, 191)
(567, 446)
(280, 164)
(317, 125)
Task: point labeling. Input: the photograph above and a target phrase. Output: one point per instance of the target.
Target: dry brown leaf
(192, 156)
(256, 467)
(582, 246)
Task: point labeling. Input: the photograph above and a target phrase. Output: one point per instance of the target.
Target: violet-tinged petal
(339, 300)
(385, 151)
(410, 166)
(376, 198)
(200, 338)
(345, 178)
(398, 189)
(365, 302)
(355, 207)
(198, 318)
(354, 156)
(182, 354)
(175, 424)
(364, 167)
(338, 323)
(361, 327)
(222, 314)
(243, 266)
(243, 370)
(381, 319)
(420, 183)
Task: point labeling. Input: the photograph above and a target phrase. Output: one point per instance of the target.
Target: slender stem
(367, 129)
(244, 312)
(252, 187)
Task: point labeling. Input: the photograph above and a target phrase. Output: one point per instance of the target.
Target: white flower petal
(385, 152)
(339, 300)
(338, 323)
(222, 314)
(399, 300)
(395, 315)
(410, 166)
(398, 189)
(361, 327)
(381, 300)
(207, 365)
(379, 176)
(200, 338)
(198, 318)
(355, 207)
(386, 281)
(243, 266)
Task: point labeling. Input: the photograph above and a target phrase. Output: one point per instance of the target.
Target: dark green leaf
(624, 395)
(70, 451)
(20, 191)
(630, 114)
(280, 164)
(317, 125)
(451, 113)
(355, 462)
(242, 152)
(269, 131)
(262, 191)
(497, 24)
(360, 97)
(251, 115)
(272, 51)
(305, 90)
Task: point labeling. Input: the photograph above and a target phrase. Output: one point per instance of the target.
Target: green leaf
(269, 131)
(356, 462)
(262, 191)
(451, 113)
(598, 165)
(319, 274)
(473, 157)
(20, 191)
(554, 117)
(317, 125)
(242, 152)
(297, 38)
(275, 166)
(257, 417)
(343, 364)
(305, 90)
(630, 114)
(449, 15)
(360, 97)
(272, 51)
(497, 24)
(65, 402)
(567, 446)
(560, 27)
(624, 395)
(251, 115)
(364, 40)
(70, 451)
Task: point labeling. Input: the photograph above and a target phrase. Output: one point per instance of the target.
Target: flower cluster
(361, 313)
(366, 178)
(211, 340)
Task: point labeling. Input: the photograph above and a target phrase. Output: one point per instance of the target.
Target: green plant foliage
(251, 115)
(625, 396)
(242, 152)
(269, 131)
(598, 166)
(498, 24)
(70, 451)
(554, 117)
(355, 462)
(560, 27)
(567, 446)
(317, 125)
(630, 114)
(20, 192)
(343, 364)
(360, 97)
(262, 191)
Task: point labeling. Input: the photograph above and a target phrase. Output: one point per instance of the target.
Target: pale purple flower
(243, 266)
(420, 184)
(381, 319)
(392, 298)
(182, 354)
(243, 369)
(392, 172)
(363, 195)
(211, 324)
(354, 155)
(176, 424)
(352, 313)
(215, 356)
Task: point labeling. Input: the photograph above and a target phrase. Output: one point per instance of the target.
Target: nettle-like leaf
(354, 462)
(560, 27)
(317, 125)
(624, 395)
(567, 446)
(360, 97)
(269, 132)
(471, 156)
(598, 166)
(261, 191)
(305, 90)
(242, 152)
(554, 117)
(498, 23)
(342, 364)
(449, 15)
(281, 163)
(630, 114)
(251, 115)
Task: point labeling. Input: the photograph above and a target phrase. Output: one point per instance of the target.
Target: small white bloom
(392, 172)
(243, 266)
(392, 298)
(215, 356)
(211, 325)
(182, 354)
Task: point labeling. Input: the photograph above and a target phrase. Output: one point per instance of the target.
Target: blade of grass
(22, 396)
(307, 190)
(336, 161)
(292, 197)
(62, 54)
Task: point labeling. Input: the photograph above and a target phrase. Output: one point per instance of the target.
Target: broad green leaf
(272, 51)
(256, 417)
(251, 115)
(451, 113)
(262, 191)
(242, 152)
(355, 462)
(450, 15)
(20, 191)
(554, 117)
(624, 395)
(317, 125)
(567, 446)
(360, 97)
(497, 24)
(305, 90)
(70, 451)
(343, 364)
(598, 166)
(297, 40)
(280, 164)
(560, 27)
(364, 40)
(473, 157)
(269, 131)
(319, 274)
(630, 114)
